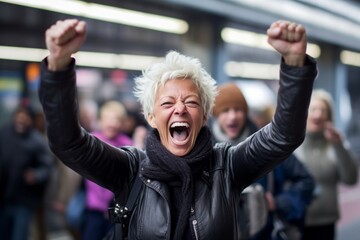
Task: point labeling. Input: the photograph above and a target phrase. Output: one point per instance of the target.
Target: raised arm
(93, 159)
(62, 40)
(272, 144)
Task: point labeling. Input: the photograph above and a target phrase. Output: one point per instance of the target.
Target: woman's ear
(151, 120)
(205, 120)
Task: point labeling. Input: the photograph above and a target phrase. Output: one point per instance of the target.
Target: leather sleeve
(108, 166)
(262, 151)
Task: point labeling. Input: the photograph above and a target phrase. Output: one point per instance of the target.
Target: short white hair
(175, 66)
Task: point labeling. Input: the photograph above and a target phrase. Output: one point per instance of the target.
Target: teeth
(180, 124)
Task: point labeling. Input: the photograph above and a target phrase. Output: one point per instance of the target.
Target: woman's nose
(318, 113)
(180, 107)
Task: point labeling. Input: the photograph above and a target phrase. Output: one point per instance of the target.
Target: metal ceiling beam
(261, 18)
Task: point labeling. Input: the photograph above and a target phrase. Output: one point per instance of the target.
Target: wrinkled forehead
(178, 86)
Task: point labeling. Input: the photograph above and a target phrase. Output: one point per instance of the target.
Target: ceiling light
(252, 70)
(22, 54)
(350, 58)
(256, 40)
(108, 14)
(86, 59)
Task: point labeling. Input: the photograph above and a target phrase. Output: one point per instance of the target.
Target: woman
(98, 199)
(190, 188)
(330, 162)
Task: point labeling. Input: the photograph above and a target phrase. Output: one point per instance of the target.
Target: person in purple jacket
(98, 199)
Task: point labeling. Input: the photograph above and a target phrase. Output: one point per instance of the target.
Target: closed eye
(192, 104)
(166, 104)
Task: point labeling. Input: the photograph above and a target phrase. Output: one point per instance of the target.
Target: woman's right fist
(62, 40)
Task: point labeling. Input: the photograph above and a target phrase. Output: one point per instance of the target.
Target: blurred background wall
(228, 36)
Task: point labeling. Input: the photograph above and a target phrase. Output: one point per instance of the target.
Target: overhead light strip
(252, 70)
(108, 14)
(350, 58)
(83, 58)
(256, 40)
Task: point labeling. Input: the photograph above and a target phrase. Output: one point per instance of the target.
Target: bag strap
(135, 190)
(121, 215)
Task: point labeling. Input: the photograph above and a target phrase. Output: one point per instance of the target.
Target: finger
(284, 29)
(67, 31)
(299, 33)
(291, 32)
(277, 23)
(81, 27)
(275, 29)
(63, 31)
(274, 32)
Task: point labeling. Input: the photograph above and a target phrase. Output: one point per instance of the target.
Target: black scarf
(178, 173)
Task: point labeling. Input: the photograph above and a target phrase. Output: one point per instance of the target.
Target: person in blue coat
(289, 192)
(289, 189)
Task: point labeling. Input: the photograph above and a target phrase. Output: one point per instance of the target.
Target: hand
(62, 40)
(289, 39)
(331, 134)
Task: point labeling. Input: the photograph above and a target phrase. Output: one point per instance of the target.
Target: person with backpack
(189, 187)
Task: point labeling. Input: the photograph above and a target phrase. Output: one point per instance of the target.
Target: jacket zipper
(194, 223)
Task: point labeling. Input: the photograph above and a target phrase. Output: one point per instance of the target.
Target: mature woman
(190, 188)
(330, 162)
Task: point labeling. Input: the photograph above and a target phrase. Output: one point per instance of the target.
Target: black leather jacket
(228, 172)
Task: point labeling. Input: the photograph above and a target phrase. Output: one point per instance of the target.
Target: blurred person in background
(329, 160)
(230, 123)
(289, 191)
(70, 189)
(99, 199)
(40, 225)
(25, 166)
(135, 127)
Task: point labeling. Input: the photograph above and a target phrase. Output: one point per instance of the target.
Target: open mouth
(179, 131)
(232, 127)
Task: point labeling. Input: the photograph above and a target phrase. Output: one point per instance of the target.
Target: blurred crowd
(38, 194)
